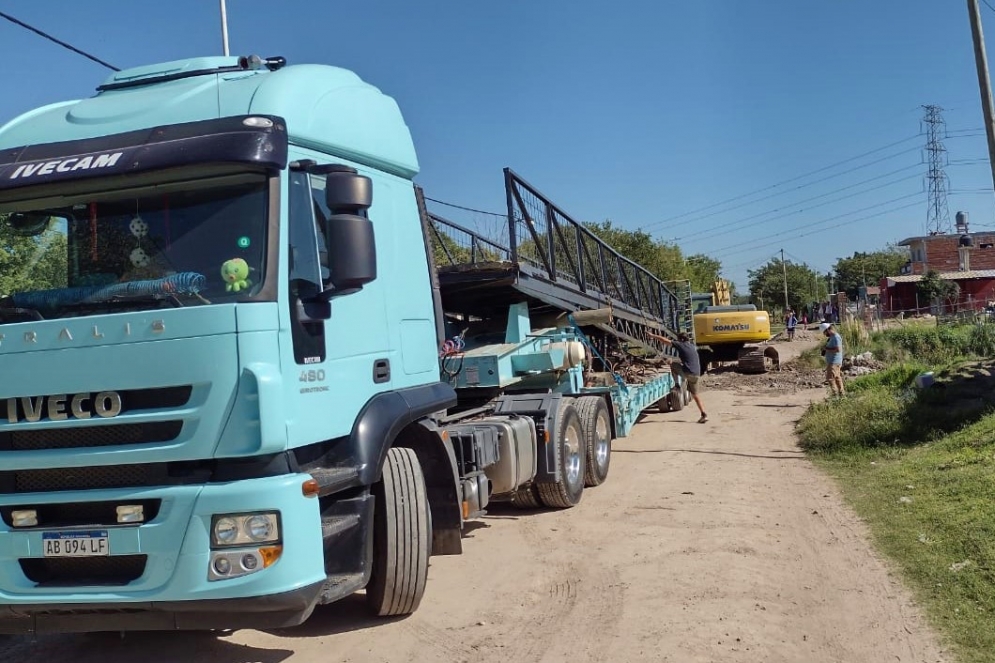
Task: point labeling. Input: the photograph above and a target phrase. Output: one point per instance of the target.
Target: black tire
(596, 425)
(402, 537)
(526, 498)
(566, 492)
(676, 399)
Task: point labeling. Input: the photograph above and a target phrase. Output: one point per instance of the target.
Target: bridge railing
(557, 248)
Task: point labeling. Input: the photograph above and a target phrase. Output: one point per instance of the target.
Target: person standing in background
(833, 352)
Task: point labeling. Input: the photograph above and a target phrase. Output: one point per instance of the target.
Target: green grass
(919, 467)
(930, 509)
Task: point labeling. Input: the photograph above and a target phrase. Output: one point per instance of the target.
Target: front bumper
(258, 612)
(172, 589)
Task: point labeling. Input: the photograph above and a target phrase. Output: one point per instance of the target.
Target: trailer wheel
(402, 536)
(526, 498)
(675, 399)
(597, 429)
(566, 492)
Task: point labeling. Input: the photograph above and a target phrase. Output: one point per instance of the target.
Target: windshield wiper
(12, 313)
(129, 301)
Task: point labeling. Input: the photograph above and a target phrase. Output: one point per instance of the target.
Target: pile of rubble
(791, 378)
(862, 364)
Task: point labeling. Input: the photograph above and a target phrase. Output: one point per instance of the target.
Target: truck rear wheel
(402, 536)
(526, 498)
(597, 429)
(566, 492)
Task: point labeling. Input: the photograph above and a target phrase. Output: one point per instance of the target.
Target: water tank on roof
(966, 240)
(961, 219)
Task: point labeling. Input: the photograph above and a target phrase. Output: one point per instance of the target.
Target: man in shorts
(690, 365)
(833, 352)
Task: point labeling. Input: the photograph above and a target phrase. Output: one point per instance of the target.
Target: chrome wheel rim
(602, 444)
(572, 454)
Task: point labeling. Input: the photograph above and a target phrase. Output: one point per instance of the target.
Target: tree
(703, 271)
(32, 263)
(935, 290)
(767, 282)
(665, 261)
(869, 268)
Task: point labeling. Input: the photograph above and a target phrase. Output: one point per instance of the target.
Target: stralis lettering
(66, 165)
(105, 404)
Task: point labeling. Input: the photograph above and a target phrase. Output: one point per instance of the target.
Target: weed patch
(919, 467)
(929, 510)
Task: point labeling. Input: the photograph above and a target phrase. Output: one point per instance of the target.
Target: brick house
(963, 257)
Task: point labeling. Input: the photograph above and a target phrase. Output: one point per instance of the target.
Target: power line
(57, 41)
(467, 209)
(739, 248)
(788, 181)
(848, 223)
(803, 186)
(714, 232)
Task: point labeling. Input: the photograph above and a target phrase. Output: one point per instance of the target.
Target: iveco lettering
(247, 373)
(106, 404)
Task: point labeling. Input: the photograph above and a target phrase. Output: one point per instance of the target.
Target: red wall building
(964, 257)
(899, 293)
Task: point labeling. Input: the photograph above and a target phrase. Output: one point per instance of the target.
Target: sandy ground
(717, 542)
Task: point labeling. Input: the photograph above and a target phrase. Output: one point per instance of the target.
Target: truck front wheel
(402, 536)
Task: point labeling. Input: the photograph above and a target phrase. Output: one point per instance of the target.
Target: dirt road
(716, 542)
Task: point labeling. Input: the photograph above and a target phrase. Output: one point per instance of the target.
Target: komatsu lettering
(66, 165)
(736, 327)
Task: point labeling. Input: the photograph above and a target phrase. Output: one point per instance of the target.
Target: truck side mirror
(346, 191)
(352, 253)
(349, 236)
(29, 224)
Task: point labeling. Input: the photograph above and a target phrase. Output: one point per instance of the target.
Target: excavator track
(759, 360)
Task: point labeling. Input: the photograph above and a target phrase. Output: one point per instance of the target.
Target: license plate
(76, 544)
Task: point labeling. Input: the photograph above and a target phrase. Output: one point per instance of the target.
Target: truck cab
(217, 329)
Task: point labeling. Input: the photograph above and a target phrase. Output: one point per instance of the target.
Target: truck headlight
(241, 529)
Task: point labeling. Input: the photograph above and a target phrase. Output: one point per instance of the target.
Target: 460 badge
(312, 376)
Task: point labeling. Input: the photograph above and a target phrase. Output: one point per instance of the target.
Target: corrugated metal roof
(946, 276)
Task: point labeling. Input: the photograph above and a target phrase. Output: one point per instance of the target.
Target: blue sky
(635, 111)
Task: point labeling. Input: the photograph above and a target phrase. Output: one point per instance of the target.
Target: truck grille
(77, 478)
(108, 435)
(87, 571)
(90, 436)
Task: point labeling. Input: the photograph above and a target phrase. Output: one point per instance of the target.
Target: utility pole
(224, 27)
(784, 268)
(984, 83)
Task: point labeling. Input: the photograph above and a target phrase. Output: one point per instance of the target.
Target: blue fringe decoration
(184, 283)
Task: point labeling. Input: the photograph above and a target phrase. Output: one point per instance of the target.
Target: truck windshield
(182, 244)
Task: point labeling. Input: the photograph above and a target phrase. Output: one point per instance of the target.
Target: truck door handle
(381, 371)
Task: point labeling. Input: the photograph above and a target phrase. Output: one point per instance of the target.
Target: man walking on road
(690, 366)
(833, 352)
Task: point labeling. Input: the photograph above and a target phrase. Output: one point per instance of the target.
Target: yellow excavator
(726, 332)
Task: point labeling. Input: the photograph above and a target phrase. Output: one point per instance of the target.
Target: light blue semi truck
(246, 371)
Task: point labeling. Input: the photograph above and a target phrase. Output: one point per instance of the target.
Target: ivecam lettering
(66, 165)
